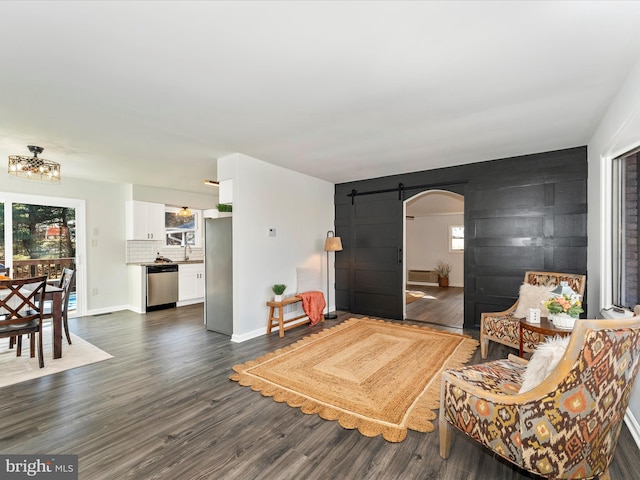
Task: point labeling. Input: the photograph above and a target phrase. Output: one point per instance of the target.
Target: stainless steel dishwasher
(162, 286)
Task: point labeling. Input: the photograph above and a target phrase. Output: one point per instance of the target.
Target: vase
(443, 281)
(277, 298)
(562, 320)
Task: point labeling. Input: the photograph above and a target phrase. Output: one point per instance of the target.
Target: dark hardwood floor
(441, 306)
(164, 408)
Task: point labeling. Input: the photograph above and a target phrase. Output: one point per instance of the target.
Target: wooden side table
(545, 327)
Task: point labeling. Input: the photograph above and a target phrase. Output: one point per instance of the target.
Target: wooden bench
(279, 320)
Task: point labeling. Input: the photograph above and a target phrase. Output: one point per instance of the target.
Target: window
(456, 238)
(625, 202)
(180, 230)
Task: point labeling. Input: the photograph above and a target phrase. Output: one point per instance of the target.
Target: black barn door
(376, 255)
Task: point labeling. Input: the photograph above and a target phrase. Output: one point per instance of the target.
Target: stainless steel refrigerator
(218, 259)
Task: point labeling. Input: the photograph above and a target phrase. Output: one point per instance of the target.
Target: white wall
(427, 242)
(176, 198)
(301, 210)
(618, 133)
(105, 268)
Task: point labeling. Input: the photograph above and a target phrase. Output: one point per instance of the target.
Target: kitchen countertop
(177, 262)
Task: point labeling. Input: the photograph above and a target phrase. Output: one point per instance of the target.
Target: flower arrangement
(569, 304)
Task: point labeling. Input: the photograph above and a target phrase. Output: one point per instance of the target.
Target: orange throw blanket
(313, 305)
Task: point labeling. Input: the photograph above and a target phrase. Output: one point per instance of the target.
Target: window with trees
(182, 230)
(626, 200)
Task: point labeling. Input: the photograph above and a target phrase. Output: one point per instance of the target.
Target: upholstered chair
(504, 327)
(565, 427)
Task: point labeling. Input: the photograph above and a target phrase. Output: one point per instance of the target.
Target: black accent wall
(521, 213)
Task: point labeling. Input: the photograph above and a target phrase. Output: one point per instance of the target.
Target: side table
(545, 327)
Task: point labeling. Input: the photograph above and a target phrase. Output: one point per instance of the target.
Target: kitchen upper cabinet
(190, 283)
(145, 220)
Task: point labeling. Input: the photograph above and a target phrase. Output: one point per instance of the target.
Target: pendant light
(34, 168)
(184, 212)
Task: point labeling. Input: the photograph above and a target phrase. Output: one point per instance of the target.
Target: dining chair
(21, 311)
(66, 283)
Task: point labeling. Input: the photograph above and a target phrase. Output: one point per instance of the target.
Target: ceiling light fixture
(33, 167)
(185, 212)
(213, 183)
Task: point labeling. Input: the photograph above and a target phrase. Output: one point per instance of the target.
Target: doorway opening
(434, 235)
(42, 236)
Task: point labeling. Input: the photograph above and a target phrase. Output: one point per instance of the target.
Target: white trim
(102, 311)
(243, 337)
(81, 227)
(632, 425)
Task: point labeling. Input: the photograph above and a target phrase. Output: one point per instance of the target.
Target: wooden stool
(279, 319)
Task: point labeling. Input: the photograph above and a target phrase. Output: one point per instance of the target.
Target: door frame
(80, 208)
(451, 188)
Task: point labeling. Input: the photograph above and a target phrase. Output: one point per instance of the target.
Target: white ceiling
(152, 93)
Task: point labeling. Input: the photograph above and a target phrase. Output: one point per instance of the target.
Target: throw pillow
(532, 296)
(545, 358)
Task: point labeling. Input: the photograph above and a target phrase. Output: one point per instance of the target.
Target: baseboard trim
(100, 311)
(239, 338)
(633, 426)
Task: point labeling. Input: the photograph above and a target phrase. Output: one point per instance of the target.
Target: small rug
(19, 369)
(413, 295)
(379, 377)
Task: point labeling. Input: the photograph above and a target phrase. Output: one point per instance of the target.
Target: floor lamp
(331, 244)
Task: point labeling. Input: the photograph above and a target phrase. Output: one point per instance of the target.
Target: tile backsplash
(145, 251)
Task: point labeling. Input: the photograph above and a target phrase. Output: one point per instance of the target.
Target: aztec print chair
(504, 327)
(565, 427)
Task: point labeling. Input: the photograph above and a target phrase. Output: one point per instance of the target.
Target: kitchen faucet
(186, 257)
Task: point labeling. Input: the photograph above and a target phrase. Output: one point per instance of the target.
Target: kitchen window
(181, 231)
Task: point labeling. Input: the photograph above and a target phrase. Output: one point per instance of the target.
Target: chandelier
(34, 167)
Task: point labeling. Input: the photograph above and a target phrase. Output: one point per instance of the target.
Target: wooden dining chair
(66, 283)
(21, 312)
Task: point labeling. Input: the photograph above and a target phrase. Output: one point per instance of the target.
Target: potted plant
(278, 289)
(443, 270)
(224, 210)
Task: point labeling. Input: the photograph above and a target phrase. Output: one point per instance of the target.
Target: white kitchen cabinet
(190, 283)
(145, 220)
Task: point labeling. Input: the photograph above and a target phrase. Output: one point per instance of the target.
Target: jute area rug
(379, 377)
(19, 369)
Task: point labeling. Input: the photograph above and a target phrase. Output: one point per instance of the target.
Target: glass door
(38, 236)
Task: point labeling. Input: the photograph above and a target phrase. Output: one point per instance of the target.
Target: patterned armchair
(504, 327)
(567, 426)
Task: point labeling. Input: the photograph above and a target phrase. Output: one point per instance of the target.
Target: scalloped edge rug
(379, 377)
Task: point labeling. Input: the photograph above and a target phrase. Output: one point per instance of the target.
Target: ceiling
(152, 93)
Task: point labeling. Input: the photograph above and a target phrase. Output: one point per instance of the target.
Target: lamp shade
(332, 244)
(563, 289)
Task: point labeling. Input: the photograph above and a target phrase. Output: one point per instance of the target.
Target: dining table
(54, 294)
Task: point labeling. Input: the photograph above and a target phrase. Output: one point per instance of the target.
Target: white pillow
(309, 279)
(532, 296)
(545, 358)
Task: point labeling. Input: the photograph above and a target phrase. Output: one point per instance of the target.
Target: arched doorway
(433, 234)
